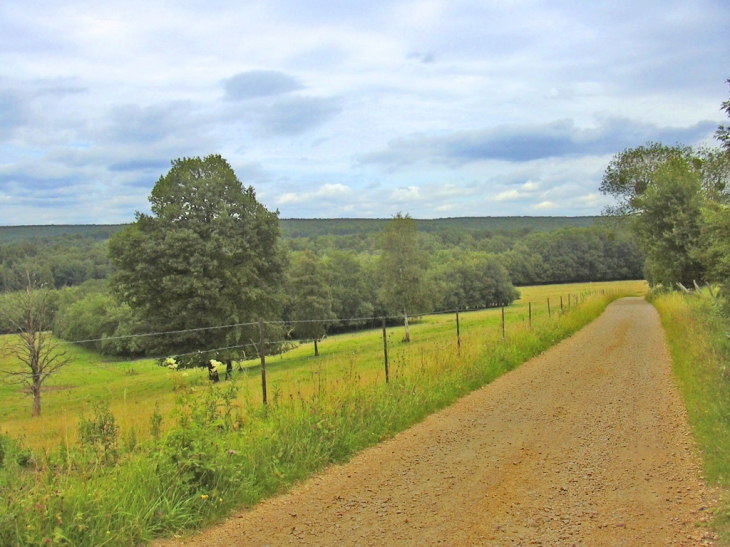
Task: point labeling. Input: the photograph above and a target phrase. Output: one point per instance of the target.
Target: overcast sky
(348, 109)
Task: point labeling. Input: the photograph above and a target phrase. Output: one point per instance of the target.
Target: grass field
(221, 449)
(134, 388)
(700, 348)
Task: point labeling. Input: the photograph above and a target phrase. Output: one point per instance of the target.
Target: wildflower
(204, 496)
(220, 500)
(232, 452)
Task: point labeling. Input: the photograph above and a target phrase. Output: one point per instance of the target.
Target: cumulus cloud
(325, 192)
(11, 113)
(291, 117)
(259, 83)
(523, 143)
(545, 206)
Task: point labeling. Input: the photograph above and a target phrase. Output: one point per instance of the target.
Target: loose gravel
(585, 445)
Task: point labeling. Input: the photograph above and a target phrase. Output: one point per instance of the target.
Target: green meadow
(134, 388)
(159, 452)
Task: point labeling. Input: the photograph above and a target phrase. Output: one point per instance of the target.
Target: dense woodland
(337, 261)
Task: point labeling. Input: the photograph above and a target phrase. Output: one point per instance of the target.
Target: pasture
(134, 389)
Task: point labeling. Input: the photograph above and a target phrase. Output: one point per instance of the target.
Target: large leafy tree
(630, 172)
(404, 287)
(310, 301)
(669, 224)
(207, 256)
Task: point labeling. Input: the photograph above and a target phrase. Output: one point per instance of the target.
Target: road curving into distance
(585, 445)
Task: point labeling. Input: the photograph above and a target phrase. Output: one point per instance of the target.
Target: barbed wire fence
(571, 300)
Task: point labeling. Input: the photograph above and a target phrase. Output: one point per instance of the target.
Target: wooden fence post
(549, 315)
(504, 334)
(262, 352)
(458, 332)
(561, 304)
(529, 313)
(385, 353)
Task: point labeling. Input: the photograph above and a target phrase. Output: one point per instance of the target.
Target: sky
(348, 109)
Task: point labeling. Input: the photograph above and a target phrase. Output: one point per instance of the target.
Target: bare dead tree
(34, 354)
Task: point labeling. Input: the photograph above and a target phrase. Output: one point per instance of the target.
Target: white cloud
(324, 192)
(545, 206)
(461, 107)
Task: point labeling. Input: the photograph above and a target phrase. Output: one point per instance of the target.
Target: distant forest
(345, 254)
(533, 249)
(315, 227)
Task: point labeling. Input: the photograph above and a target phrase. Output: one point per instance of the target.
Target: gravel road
(587, 444)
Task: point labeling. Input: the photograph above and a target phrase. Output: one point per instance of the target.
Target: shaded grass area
(222, 449)
(698, 341)
(133, 389)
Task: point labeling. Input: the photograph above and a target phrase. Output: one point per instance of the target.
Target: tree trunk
(407, 337)
(316, 349)
(36, 390)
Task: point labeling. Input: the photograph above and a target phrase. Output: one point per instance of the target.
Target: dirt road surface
(586, 445)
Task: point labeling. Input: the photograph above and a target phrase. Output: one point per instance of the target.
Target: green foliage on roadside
(700, 348)
(676, 200)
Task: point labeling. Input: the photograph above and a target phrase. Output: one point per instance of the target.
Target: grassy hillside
(133, 387)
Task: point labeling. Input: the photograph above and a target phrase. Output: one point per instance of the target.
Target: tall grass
(222, 450)
(698, 341)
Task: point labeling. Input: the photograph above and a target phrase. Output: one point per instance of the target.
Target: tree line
(676, 201)
(211, 255)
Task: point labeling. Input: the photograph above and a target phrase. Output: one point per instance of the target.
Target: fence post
(561, 304)
(549, 315)
(385, 353)
(458, 332)
(529, 313)
(262, 352)
(569, 298)
(503, 327)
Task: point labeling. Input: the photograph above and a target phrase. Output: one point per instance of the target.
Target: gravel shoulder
(585, 445)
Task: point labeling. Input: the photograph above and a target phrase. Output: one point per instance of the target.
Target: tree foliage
(404, 287)
(723, 132)
(309, 298)
(208, 255)
(669, 225)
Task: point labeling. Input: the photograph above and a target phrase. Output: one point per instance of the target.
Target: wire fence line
(274, 322)
(260, 346)
(283, 322)
(574, 298)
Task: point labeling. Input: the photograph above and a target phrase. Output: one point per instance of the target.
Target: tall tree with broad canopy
(669, 225)
(403, 264)
(207, 256)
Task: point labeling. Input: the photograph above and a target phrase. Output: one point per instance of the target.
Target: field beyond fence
(187, 453)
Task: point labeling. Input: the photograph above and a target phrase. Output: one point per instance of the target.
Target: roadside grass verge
(222, 450)
(698, 341)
